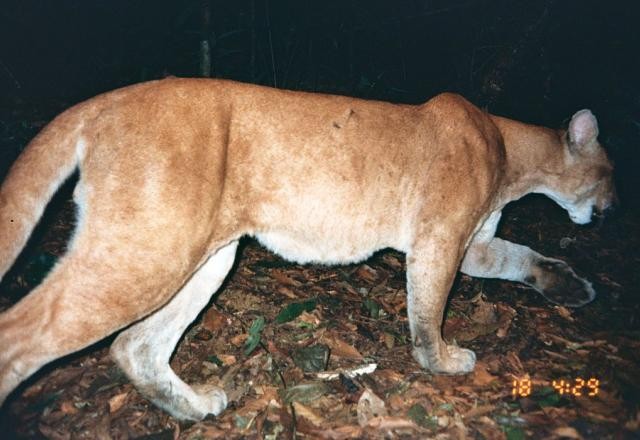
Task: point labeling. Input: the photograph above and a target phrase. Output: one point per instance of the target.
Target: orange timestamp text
(577, 387)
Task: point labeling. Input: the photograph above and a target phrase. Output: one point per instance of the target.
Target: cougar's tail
(32, 180)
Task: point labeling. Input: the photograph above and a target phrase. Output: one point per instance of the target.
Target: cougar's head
(584, 187)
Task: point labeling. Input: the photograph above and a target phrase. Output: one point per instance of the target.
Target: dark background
(538, 61)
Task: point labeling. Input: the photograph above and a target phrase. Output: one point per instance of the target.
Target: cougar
(174, 172)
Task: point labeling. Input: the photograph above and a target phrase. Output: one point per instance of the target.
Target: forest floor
(296, 376)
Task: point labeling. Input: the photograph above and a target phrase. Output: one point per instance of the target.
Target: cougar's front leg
(431, 267)
(143, 350)
(492, 257)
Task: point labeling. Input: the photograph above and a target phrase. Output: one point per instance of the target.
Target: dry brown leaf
(567, 432)
(369, 407)
(392, 261)
(215, 320)
(33, 390)
(274, 349)
(478, 411)
(560, 340)
(341, 433)
(283, 278)
(443, 420)
(309, 414)
(481, 376)
(564, 312)
(389, 375)
(205, 430)
(380, 289)
(387, 422)
(423, 389)
(514, 363)
(340, 348)
(284, 290)
(484, 313)
(460, 389)
(238, 340)
(553, 413)
(397, 402)
(227, 359)
(457, 428)
(389, 340)
(312, 318)
(505, 318)
(68, 408)
(255, 405)
(489, 429)
(348, 287)
(117, 402)
(54, 433)
(606, 404)
(555, 355)
(596, 343)
(633, 424)
(101, 428)
(605, 279)
(267, 391)
(366, 273)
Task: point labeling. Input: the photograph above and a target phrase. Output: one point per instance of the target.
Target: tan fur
(174, 172)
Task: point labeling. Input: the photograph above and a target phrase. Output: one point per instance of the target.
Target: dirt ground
(324, 352)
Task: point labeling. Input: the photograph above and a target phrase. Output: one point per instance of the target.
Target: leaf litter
(324, 352)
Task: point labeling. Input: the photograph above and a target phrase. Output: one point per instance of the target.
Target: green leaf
(512, 425)
(242, 422)
(419, 415)
(547, 396)
(304, 393)
(215, 360)
(306, 325)
(514, 433)
(312, 358)
(372, 307)
(254, 335)
(293, 310)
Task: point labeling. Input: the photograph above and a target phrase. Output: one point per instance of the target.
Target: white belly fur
(309, 250)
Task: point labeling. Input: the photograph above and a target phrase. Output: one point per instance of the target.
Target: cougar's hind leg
(115, 273)
(81, 301)
(143, 350)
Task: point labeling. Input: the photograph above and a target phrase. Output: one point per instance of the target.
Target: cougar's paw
(186, 402)
(558, 283)
(212, 398)
(457, 361)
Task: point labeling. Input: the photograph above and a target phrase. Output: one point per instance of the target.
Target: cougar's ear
(583, 130)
